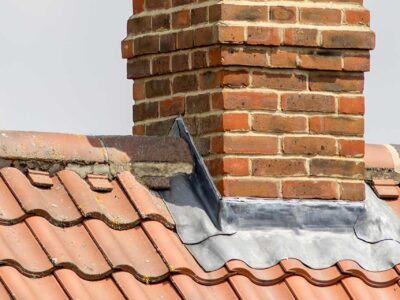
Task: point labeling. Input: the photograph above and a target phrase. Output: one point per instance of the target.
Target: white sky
(61, 68)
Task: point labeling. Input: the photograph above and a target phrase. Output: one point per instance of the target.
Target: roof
(63, 236)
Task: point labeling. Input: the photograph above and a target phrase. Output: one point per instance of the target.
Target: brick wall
(272, 91)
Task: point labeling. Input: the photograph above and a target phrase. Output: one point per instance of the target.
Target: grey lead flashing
(263, 232)
(251, 214)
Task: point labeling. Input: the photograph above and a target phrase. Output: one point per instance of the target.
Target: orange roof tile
(70, 241)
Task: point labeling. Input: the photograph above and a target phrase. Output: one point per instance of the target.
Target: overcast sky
(61, 68)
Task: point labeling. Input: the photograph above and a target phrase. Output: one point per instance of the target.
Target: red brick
(139, 25)
(204, 36)
(146, 45)
(275, 167)
(283, 14)
(308, 103)
(171, 107)
(127, 46)
(168, 42)
(283, 59)
(279, 123)
(235, 79)
(199, 59)
(263, 36)
(210, 80)
(279, 81)
(336, 82)
(231, 34)
(356, 63)
(309, 145)
(235, 122)
(249, 101)
(198, 103)
(228, 166)
(210, 124)
(160, 22)
(301, 37)
(348, 39)
(320, 16)
(352, 105)
(138, 6)
(337, 126)
(321, 62)
(139, 130)
(358, 17)
(352, 148)
(310, 189)
(138, 90)
(181, 19)
(246, 144)
(184, 39)
(157, 4)
(248, 188)
(352, 191)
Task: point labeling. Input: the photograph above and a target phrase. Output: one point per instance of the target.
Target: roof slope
(65, 237)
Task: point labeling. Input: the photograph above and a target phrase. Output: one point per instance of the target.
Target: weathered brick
(235, 79)
(161, 65)
(160, 127)
(157, 4)
(279, 81)
(242, 13)
(144, 111)
(309, 145)
(348, 39)
(352, 191)
(168, 42)
(138, 90)
(278, 167)
(337, 168)
(233, 166)
(337, 126)
(283, 14)
(138, 6)
(308, 103)
(180, 62)
(301, 37)
(336, 82)
(138, 68)
(247, 101)
(243, 57)
(205, 36)
(320, 16)
(157, 88)
(185, 83)
(199, 15)
(283, 59)
(181, 19)
(139, 25)
(231, 34)
(199, 59)
(263, 36)
(356, 63)
(160, 22)
(321, 62)
(198, 103)
(279, 123)
(310, 189)
(146, 44)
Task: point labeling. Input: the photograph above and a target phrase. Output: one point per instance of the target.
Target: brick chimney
(271, 91)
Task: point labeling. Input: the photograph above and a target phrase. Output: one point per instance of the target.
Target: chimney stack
(272, 91)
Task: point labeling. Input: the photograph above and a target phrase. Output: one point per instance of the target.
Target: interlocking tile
(20, 248)
(22, 287)
(129, 250)
(70, 247)
(10, 210)
(113, 207)
(268, 276)
(78, 288)
(148, 205)
(40, 179)
(51, 203)
(303, 290)
(178, 257)
(134, 289)
(357, 289)
(195, 291)
(319, 277)
(99, 183)
(385, 188)
(248, 290)
(373, 278)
